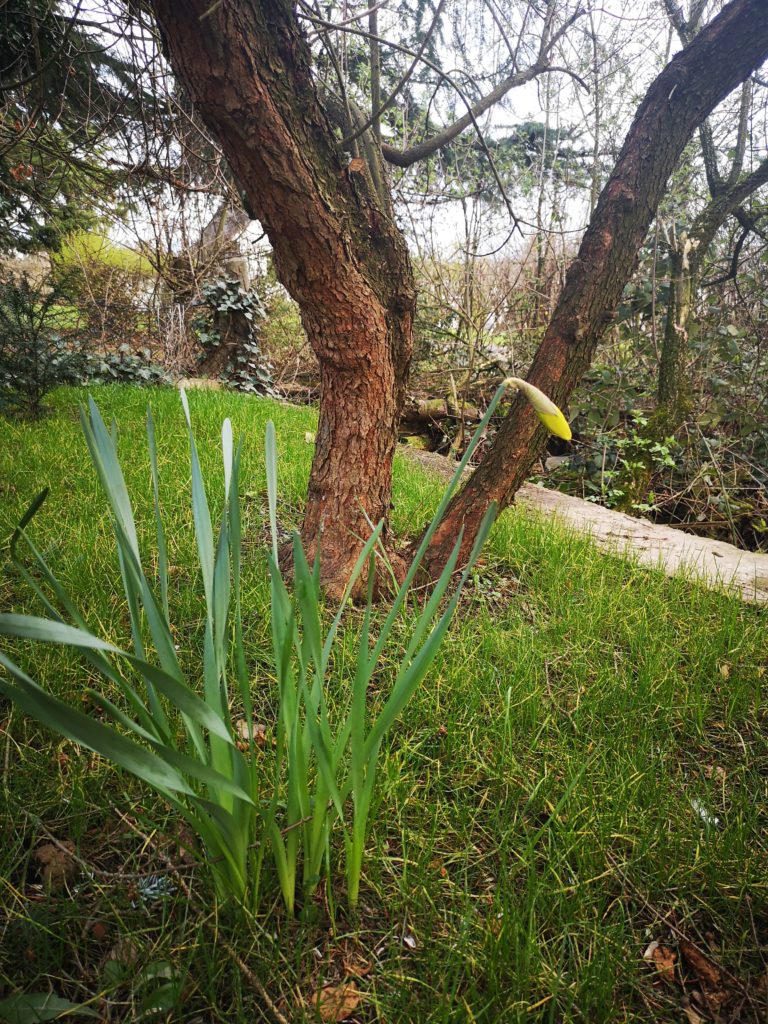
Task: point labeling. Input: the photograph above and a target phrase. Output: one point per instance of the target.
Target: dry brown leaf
(99, 931)
(691, 1016)
(125, 951)
(258, 731)
(663, 960)
(358, 968)
(437, 865)
(337, 1002)
(708, 973)
(57, 865)
(355, 962)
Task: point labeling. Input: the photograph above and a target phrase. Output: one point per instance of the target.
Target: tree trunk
(234, 330)
(340, 255)
(337, 249)
(687, 260)
(671, 395)
(720, 57)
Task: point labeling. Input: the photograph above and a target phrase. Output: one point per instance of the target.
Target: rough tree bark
(341, 256)
(720, 57)
(336, 247)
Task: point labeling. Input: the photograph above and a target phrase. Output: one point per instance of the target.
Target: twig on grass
(231, 952)
(680, 934)
(116, 876)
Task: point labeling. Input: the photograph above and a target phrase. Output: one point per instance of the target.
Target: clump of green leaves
(126, 365)
(326, 768)
(230, 324)
(164, 731)
(40, 343)
(183, 743)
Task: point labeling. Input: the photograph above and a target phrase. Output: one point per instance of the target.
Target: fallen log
(430, 410)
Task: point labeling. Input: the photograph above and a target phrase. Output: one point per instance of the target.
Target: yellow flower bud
(544, 407)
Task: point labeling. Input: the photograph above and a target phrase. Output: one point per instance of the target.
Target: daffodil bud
(544, 407)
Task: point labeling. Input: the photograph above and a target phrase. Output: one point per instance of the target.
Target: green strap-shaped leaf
(162, 549)
(36, 1007)
(270, 459)
(186, 700)
(79, 728)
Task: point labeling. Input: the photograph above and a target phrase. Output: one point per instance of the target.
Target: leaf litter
(707, 992)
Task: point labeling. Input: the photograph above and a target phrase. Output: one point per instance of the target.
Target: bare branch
(375, 118)
(405, 158)
(745, 107)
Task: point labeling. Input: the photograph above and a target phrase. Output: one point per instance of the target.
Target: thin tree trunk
(671, 393)
(720, 57)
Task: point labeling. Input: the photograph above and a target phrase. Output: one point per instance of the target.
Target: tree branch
(375, 118)
(745, 106)
(407, 157)
(711, 219)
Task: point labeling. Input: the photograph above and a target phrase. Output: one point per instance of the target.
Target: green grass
(536, 820)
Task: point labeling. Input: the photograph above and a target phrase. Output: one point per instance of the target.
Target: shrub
(40, 343)
(110, 285)
(125, 366)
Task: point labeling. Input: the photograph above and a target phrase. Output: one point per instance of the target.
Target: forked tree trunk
(686, 267)
(336, 247)
(341, 256)
(721, 56)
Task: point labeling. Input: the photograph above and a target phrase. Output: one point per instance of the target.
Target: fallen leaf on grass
(258, 732)
(125, 951)
(437, 865)
(692, 1016)
(663, 959)
(57, 865)
(708, 974)
(98, 931)
(355, 961)
(335, 1003)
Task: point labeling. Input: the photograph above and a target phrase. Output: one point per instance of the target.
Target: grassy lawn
(583, 773)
